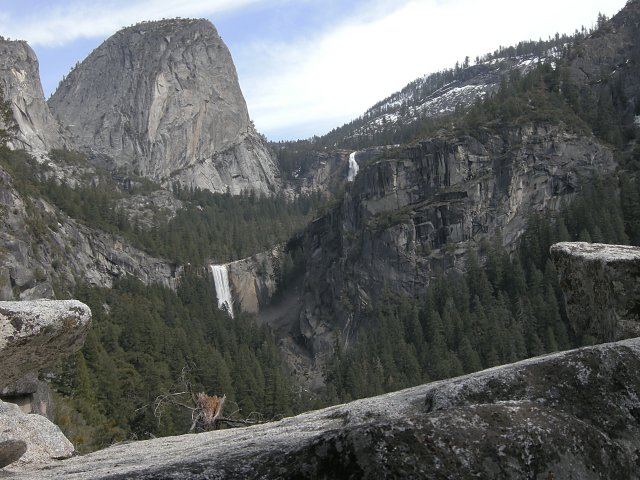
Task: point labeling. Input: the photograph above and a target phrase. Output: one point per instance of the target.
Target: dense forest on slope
(506, 306)
(210, 226)
(143, 339)
(503, 309)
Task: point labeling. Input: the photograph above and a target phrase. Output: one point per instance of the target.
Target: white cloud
(342, 71)
(324, 78)
(61, 24)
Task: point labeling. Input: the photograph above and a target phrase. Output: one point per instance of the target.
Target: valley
(407, 246)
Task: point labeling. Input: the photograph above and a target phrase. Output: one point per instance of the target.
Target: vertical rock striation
(162, 99)
(416, 208)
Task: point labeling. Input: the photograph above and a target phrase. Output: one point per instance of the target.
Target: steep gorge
(410, 211)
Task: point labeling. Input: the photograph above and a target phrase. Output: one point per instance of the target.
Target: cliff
(162, 99)
(417, 208)
(42, 247)
(35, 128)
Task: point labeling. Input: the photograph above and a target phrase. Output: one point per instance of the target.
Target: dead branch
(206, 410)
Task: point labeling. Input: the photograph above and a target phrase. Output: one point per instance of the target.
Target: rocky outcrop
(36, 129)
(420, 207)
(601, 285)
(254, 280)
(162, 99)
(573, 414)
(35, 334)
(42, 246)
(43, 441)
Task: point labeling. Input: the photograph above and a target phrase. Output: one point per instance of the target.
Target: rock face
(254, 280)
(420, 207)
(162, 99)
(573, 414)
(35, 334)
(43, 440)
(37, 130)
(64, 250)
(601, 285)
(610, 59)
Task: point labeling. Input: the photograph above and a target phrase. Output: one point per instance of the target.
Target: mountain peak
(162, 99)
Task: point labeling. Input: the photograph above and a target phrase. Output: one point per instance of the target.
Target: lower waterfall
(223, 291)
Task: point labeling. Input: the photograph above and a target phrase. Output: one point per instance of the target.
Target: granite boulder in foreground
(575, 413)
(601, 285)
(35, 334)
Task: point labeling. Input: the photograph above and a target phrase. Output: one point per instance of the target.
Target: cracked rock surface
(34, 334)
(575, 413)
(601, 285)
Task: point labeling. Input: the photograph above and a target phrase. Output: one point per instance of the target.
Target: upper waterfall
(223, 290)
(353, 167)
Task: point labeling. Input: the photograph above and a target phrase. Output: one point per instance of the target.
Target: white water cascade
(223, 291)
(353, 167)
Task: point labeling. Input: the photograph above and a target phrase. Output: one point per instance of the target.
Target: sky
(307, 66)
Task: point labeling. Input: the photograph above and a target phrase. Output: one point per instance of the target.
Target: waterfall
(223, 291)
(353, 167)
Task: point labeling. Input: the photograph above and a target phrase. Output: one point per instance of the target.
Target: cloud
(59, 24)
(340, 59)
(340, 72)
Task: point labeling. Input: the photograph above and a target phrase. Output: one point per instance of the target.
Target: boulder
(35, 334)
(601, 285)
(31, 438)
